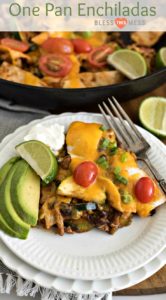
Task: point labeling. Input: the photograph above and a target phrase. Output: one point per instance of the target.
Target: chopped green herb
(118, 177)
(87, 34)
(103, 128)
(104, 144)
(113, 151)
(117, 170)
(124, 157)
(113, 145)
(113, 148)
(126, 198)
(102, 162)
(121, 179)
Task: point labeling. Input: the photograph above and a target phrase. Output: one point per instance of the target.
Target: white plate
(79, 286)
(93, 255)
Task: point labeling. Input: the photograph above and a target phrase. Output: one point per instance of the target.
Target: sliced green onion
(126, 198)
(118, 177)
(103, 128)
(104, 144)
(87, 34)
(113, 145)
(121, 179)
(113, 151)
(102, 162)
(113, 148)
(124, 157)
(117, 170)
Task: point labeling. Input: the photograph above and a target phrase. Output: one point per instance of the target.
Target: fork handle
(162, 184)
(157, 176)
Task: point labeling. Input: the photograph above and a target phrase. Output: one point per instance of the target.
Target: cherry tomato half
(144, 189)
(58, 45)
(81, 46)
(98, 57)
(15, 44)
(85, 173)
(55, 65)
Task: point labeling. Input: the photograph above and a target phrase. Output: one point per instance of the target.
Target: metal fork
(129, 136)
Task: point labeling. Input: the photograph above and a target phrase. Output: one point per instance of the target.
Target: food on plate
(75, 59)
(19, 198)
(14, 222)
(86, 181)
(25, 191)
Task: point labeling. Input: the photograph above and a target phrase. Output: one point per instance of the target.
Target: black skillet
(59, 99)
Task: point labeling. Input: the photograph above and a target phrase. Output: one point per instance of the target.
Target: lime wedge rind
(41, 159)
(152, 115)
(130, 63)
(161, 58)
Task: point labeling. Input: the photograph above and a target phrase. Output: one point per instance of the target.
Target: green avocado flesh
(25, 191)
(6, 167)
(19, 228)
(3, 174)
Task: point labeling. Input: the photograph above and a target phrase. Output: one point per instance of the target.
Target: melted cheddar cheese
(13, 54)
(83, 140)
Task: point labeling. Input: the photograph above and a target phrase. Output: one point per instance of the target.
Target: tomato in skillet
(144, 189)
(55, 65)
(85, 173)
(98, 57)
(81, 46)
(58, 45)
(15, 44)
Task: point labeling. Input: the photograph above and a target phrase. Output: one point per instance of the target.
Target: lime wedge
(129, 63)
(161, 58)
(40, 158)
(152, 114)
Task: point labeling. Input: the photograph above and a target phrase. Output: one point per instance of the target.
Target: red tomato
(81, 46)
(85, 173)
(15, 44)
(144, 189)
(55, 65)
(58, 45)
(98, 57)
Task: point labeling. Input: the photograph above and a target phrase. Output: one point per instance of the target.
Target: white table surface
(154, 297)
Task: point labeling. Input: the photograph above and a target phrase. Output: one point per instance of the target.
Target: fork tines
(126, 131)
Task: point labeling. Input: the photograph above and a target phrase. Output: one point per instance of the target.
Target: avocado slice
(25, 191)
(3, 173)
(6, 228)
(6, 167)
(7, 210)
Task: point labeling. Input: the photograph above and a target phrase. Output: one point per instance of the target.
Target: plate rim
(30, 273)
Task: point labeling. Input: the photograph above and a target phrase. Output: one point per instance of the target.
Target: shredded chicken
(146, 38)
(148, 53)
(101, 78)
(15, 74)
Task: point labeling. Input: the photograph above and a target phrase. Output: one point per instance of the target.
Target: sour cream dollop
(52, 135)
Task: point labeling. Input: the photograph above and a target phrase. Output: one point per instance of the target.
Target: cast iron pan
(58, 99)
